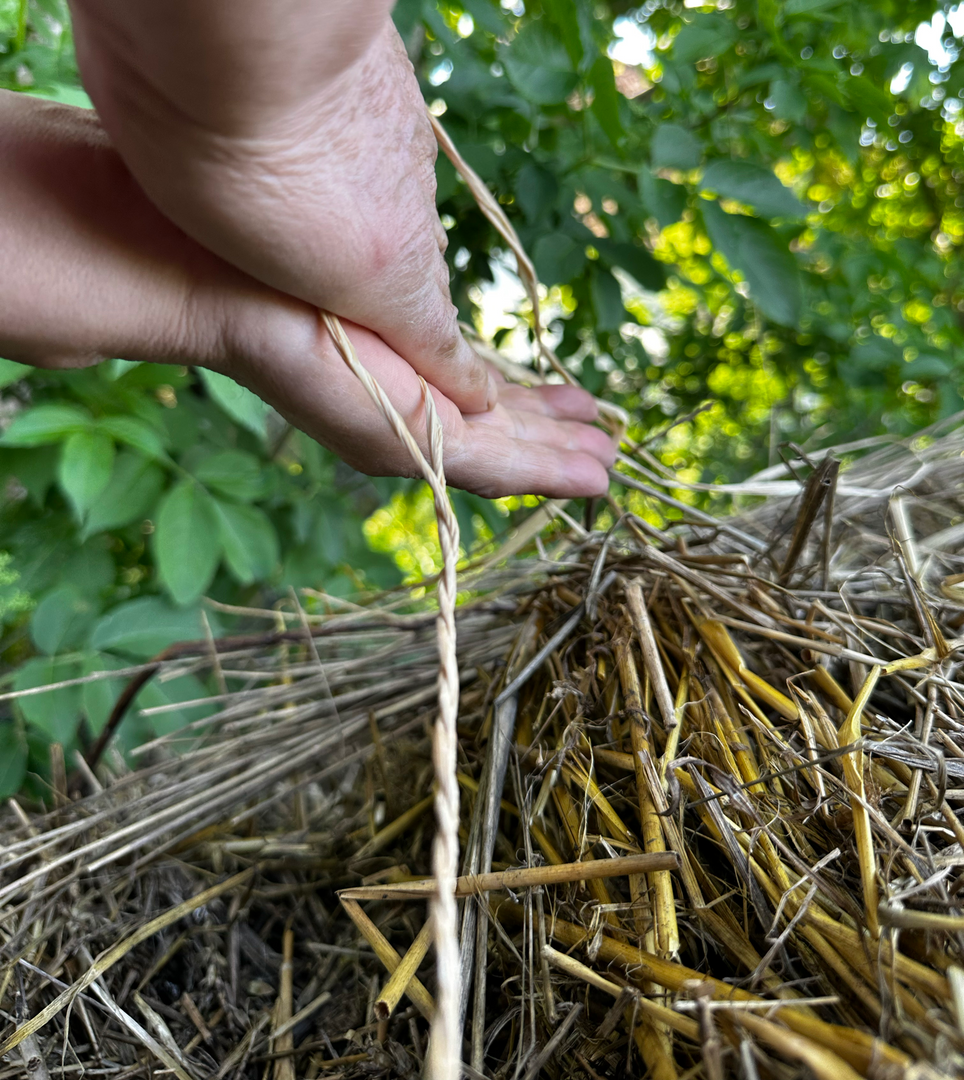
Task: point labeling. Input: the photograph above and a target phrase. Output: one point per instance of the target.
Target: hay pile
(748, 733)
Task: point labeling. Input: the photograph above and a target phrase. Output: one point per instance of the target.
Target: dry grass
(768, 708)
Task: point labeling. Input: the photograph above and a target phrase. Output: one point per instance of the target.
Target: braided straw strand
(444, 1054)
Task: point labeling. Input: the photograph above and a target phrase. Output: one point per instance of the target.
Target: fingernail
(492, 397)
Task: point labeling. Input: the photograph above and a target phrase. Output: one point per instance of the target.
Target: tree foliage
(762, 209)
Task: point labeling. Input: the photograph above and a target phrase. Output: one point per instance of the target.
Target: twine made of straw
(443, 1062)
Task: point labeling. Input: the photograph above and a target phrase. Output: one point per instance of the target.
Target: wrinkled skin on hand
(90, 269)
(292, 140)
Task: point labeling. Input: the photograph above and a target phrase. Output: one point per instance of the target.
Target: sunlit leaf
(757, 251)
(751, 184)
(11, 372)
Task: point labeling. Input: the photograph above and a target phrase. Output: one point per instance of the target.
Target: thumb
(426, 334)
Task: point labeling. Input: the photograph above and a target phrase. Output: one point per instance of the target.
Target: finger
(561, 402)
(491, 464)
(536, 429)
(423, 330)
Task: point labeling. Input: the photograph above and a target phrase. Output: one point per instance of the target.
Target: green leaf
(558, 258)
(538, 66)
(13, 759)
(249, 541)
(928, 367)
(133, 432)
(754, 185)
(465, 513)
(807, 8)
(635, 260)
(607, 300)
(605, 102)
(950, 401)
(90, 568)
(239, 403)
(117, 369)
(565, 17)
(233, 473)
(61, 620)
(757, 251)
(788, 101)
(673, 147)
(131, 493)
(708, 35)
(145, 626)
(86, 462)
(54, 713)
(45, 424)
(535, 191)
(186, 542)
(11, 372)
(662, 199)
(446, 180)
(868, 363)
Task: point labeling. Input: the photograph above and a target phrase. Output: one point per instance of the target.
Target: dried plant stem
(853, 764)
(663, 901)
(397, 984)
(389, 957)
(527, 877)
(651, 657)
(824, 1063)
(121, 949)
(577, 970)
(858, 1048)
(394, 829)
(283, 1038)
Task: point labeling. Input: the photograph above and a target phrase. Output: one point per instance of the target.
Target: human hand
(538, 440)
(90, 269)
(292, 140)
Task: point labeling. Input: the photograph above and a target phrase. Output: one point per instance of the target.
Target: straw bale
(712, 777)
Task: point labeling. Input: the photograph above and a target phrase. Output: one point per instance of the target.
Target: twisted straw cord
(445, 1049)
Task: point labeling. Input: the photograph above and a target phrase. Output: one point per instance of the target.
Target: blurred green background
(756, 207)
